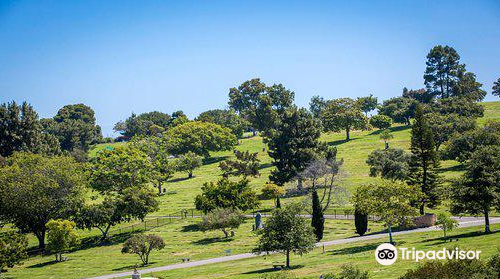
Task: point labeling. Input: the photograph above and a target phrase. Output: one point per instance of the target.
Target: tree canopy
(225, 118)
(343, 114)
(226, 194)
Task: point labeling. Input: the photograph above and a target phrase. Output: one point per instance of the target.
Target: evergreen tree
(318, 220)
(360, 222)
(424, 161)
(278, 202)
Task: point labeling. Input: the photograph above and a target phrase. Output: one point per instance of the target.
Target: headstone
(258, 221)
(136, 274)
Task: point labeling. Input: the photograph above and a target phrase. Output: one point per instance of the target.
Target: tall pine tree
(317, 220)
(424, 161)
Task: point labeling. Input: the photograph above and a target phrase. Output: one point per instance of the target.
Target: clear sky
(137, 56)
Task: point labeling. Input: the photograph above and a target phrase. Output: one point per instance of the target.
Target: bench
(278, 266)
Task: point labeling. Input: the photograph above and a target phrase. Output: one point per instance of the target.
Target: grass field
(184, 240)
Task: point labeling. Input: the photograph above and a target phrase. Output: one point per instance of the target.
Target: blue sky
(136, 56)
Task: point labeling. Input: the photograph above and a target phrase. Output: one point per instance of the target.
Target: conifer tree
(317, 220)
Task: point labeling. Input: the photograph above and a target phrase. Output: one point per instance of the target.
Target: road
(463, 223)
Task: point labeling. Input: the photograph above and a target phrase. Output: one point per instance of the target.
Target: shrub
(279, 275)
(224, 219)
(381, 122)
(445, 223)
(348, 272)
(271, 191)
(61, 237)
(455, 269)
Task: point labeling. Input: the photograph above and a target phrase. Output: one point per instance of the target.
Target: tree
(12, 249)
(478, 190)
(468, 88)
(272, 191)
(400, 109)
(75, 127)
(389, 200)
(293, 144)
(189, 162)
(367, 103)
(420, 95)
(20, 130)
(225, 118)
(442, 71)
(200, 138)
(61, 237)
(137, 125)
(496, 88)
(246, 164)
(462, 107)
(226, 194)
(446, 223)
(424, 162)
(317, 105)
(163, 168)
(391, 163)
(318, 219)
(142, 245)
(360, 222)
(35, 189)
(381, 121)
(343, 114)
(386, 135)
(285, 232)
(224, 219)
(445, 127)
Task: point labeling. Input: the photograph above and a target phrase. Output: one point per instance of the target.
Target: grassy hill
(185, 241)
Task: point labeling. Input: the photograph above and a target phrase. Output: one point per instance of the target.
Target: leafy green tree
(420, 95)
(246, 164)
(391, 163)
(224, 219)
(343, 114)
(148, 123)
(318, 219)
(386, 136)
(272, 191)
(461, 147)
(199, 137)
(445, 127)
(189, 162)
(424, 162)
(35, 189)
(367, 103)
(286, 232)
(75, 127)
(478, 191)
(496, 88)
(389, 200)
(442, 71)
(293, 144)
(20, 130)
(400, 109)
(446, 223)
(61, 237)
(317, 105)
(381, 121)
(226, 194)
(462, 107)
(468, 88)
(143, 245)
(225, 118)
(12, 249)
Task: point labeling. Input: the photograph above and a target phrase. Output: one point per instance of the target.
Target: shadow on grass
(212, 160)
(460, 167)
(180, 179)
(271, 269)
(211, 240)
(453, 238)
(95, 241)
(355, 250)
(392, 129)
(339, 142)
(191, 228)
(44, 264)
(265, 166)
(131, 267)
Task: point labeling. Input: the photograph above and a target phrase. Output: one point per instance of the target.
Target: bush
(381, 122)
(224, 219)
(456, 269)
(271, 191)
(279, 275)
(226, 194)
(348, 272)
(61, 237)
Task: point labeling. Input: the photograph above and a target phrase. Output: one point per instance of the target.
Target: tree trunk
(41, 239)
(287, 258)
(486, 222)
(190, 175)
(386, 145)
(159, 187)
(226, 234)
(422, 209)
(390, 235)
(299, 184)
(347, 137)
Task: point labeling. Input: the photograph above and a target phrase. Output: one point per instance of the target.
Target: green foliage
(381, 121)
(142, 245)
(343, 114)
(400, 109)
(35, 189)
(284, 274)
(348, 272)
(246, 164)
(389, 200)
(225, 118)
(189, 162)
(12, 249)
(61, 237)
(318, 219)
(120, 168)
(360, 222)
(424, 162)
(495, 90)
(271, 191)
(443, 68)
(146, 123)
(460, 106)
(285, 231)
(317, 105)
(367, 103)
(479, 188)
(448, 126)
(420, 95)
(293, 144)
(386, 136)
(199, 137)
(446, 223)
(20, 130)
(391, 163)
(226, 194)
(224, 219)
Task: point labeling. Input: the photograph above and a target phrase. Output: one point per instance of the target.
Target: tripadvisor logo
(387, 254)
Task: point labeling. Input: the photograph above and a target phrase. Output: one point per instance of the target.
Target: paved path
(464, 222)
